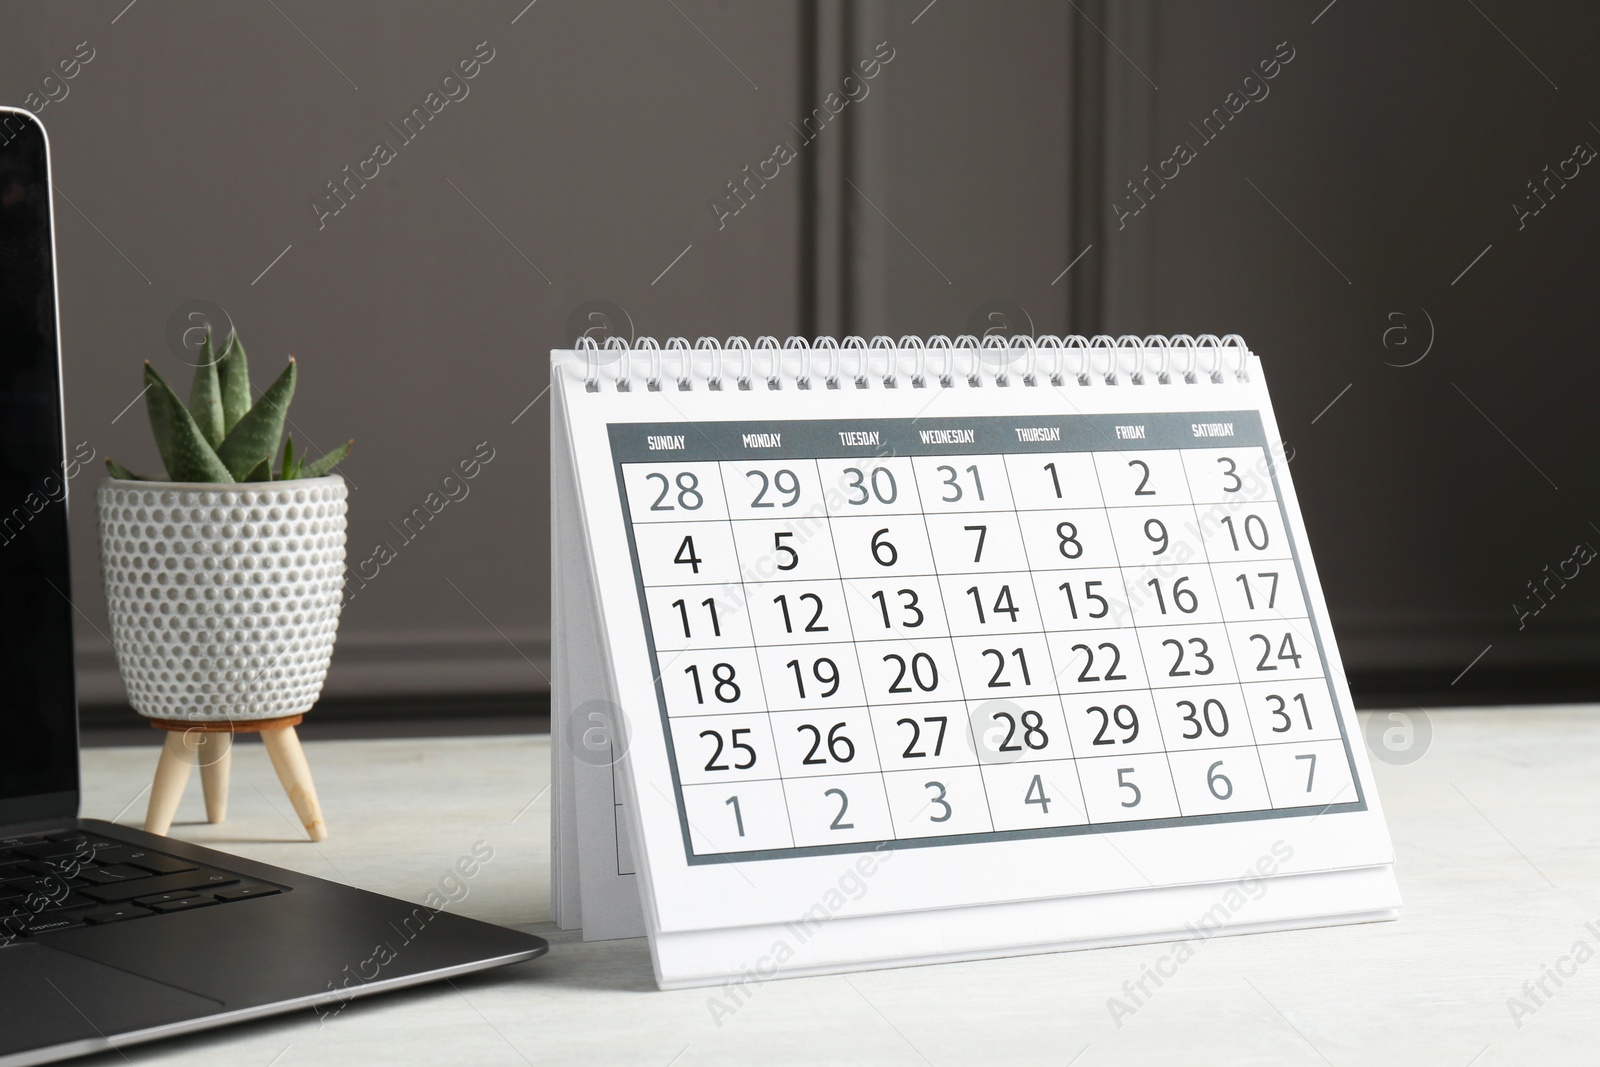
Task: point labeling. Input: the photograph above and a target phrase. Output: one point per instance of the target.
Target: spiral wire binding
(837, 363)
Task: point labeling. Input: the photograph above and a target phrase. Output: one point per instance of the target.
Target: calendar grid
(706, 478)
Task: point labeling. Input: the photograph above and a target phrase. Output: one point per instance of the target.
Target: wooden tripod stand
(210, 745)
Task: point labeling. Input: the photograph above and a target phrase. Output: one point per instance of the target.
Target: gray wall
(577, 167)
(1350, 201)
(982, 159)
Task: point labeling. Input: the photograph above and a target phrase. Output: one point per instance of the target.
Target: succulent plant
(221, 436)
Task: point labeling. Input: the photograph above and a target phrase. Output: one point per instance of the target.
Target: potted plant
(224, 582)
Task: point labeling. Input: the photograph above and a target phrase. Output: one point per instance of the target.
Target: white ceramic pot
(224, 599)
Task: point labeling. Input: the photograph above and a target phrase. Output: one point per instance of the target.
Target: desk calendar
(1023, 641)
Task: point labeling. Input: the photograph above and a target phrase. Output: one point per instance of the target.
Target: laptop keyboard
(59, 881)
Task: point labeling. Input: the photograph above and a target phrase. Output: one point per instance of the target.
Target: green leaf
(233, 375)
(294, 463)
(184, 451)
(261, 472)
(255, 436)
(119, 471)
(205, 397)
(319, 467)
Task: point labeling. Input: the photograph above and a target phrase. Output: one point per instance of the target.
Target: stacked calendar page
(891, 653)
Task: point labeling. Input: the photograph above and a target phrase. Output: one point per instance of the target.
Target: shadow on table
(573, 963)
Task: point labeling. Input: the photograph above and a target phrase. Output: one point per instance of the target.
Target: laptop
(108, 935)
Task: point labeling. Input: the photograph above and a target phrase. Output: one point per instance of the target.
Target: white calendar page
(1025, 642)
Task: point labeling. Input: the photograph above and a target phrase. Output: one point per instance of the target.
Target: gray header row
(643, 442)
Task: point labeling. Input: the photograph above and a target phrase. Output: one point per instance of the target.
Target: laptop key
(46, 924)
(24, 907)
(49, 885)
(245, 892)
(115, 913)
(116, 873)
(154, 862)
(183, 905)
(21, 919)
(164, 898)
(65, 866)
(44, 850)
(68, 902)
(195, 881)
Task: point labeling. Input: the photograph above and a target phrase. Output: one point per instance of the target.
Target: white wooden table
(1497, 828)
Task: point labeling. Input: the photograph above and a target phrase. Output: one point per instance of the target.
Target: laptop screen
(38, 720)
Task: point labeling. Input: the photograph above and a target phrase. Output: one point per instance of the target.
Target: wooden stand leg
(216, 765)
(172, 774)
(289, 760)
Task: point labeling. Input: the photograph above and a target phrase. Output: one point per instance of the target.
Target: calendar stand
(942, 650)
(210, 745)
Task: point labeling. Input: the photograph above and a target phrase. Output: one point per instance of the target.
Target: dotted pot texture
(224, 599)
